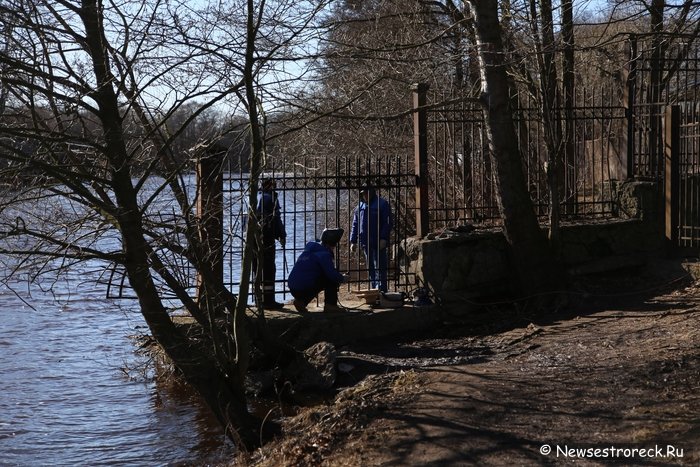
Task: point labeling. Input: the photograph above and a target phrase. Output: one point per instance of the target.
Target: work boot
(299, 306)
(333, 308)
(272, 305)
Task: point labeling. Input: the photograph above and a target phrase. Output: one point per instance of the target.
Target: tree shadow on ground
(499, 420)
(462, 337)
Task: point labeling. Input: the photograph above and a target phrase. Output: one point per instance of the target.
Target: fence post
(210, 211)
(420, 145)
(671, 173)
(630, 96)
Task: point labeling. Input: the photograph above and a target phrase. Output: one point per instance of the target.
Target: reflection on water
(69, 399)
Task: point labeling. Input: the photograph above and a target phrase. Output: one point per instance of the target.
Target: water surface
(74, 392)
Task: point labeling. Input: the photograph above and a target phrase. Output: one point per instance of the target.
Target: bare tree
(542, 26)
(533, 259)
(87, 134)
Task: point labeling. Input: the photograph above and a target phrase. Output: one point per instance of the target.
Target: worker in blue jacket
(371, 227)
(272, 228)
(314, 271)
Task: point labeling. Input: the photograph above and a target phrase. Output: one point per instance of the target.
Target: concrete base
(359, 323)
(459, 266)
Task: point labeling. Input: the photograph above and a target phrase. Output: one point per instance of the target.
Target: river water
(73, 391)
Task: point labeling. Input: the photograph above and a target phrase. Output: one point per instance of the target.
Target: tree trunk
(569, 83)
(654, 97)
(549, 92)
(535, 266)
(224, 393)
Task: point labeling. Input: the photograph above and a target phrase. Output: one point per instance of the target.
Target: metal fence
(617, 131)
(682, 177)
(664, 70)
(459, 168)
(319, 192)
(664, 91)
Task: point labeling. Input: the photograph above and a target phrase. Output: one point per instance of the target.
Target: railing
(456, 162)
(316, 193)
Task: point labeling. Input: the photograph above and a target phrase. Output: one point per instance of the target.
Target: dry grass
(310, 437)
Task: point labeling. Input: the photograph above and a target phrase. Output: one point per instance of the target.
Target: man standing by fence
(371, 227)
(272, 229)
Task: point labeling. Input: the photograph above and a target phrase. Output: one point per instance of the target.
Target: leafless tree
(94, 164)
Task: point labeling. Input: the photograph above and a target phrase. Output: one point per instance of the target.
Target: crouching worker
(314, 271)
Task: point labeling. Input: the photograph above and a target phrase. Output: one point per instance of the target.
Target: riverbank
(615, 370)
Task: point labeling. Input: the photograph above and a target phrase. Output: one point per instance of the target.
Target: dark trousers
(329, 288)
(377, 261)
(267, 279)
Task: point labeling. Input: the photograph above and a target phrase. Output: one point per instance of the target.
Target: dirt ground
(612, 377)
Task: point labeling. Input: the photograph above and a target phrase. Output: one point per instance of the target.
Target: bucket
(369, 296)
(391, 299)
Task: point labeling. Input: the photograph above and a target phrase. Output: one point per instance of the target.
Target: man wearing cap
(272, 229)
(371, 226)
(314, 271)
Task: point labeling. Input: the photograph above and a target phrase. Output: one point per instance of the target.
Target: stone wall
(457, 266)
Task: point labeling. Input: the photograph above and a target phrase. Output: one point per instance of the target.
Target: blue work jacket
(371, 222)
(313, 264)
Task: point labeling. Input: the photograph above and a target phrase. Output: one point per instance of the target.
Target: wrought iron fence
(319, 192)
(688, 179)
(664, 70)
(664, 90)
(459, 162)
